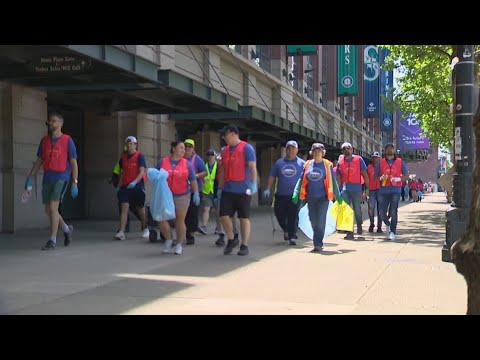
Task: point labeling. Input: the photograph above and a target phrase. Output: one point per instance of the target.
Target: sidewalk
(369, 275)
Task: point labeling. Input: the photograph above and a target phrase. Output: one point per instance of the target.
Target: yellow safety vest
(208, 180)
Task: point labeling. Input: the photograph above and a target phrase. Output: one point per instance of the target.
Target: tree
(426, 89)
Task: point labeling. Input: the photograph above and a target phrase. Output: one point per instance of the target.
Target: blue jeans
(372, 203)
(354, 199)
(317, 212)
(385, 200)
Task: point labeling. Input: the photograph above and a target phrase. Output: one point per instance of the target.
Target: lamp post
(464, 107)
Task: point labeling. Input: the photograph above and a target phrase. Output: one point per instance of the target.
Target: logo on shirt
(289, 170)
(315, 175)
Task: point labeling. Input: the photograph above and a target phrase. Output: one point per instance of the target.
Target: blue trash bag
(162, 206)
(305, 225)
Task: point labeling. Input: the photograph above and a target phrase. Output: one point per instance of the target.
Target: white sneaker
(167, 247)
(120, 235)
(146, 233)
(178, 249)
(391, 236)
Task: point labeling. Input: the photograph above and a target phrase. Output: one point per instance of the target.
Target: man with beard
(58, 155)
(391, 171)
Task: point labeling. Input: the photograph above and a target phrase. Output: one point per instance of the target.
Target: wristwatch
(75, 181)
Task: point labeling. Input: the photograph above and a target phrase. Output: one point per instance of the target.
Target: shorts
(135, 196)
(54, 191)
(207, 200)
(232, 202)
(182, 202)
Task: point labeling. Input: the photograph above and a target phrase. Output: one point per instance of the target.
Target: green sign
(347, 70)
(293, 50)
(59, 64)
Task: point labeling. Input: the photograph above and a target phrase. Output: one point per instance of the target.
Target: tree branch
(443, 52)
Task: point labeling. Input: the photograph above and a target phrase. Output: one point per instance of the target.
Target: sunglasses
(210, 154)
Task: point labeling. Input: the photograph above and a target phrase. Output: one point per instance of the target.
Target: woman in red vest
(181, 181)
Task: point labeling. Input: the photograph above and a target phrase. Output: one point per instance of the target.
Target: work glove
(295, 198)
(196, 198)
(254, 187)
(340, 200)
(132, 184)
(28, 183)
(74, 191)
(266, 194)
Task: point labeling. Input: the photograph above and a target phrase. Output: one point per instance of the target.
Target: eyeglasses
(210, 154)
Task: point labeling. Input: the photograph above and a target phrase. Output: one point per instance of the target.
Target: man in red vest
(373, 187)
(350, 169)
(131, 189)
(58, 155)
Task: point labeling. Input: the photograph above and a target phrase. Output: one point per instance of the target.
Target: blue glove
(132, 184)
(254, 187)
(74, 191)
(266, 194)
(196, 198)
(219, 194)
(28, 183)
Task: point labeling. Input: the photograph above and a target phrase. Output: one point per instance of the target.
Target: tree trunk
(466, 251)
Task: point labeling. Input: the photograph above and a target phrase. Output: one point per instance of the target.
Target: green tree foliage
(424, 87)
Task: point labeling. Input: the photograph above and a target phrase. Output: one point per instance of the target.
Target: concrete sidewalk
(369, 275)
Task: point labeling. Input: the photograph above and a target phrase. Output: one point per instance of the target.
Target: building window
(237, 48)
(309, 71)
(264, 55)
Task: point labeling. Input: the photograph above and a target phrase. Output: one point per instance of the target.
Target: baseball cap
(210, 152)
(229, 128)
(190, 141)
(389, 144)
(346, 144)
(376, 154)
(292, 143)
(132, 139)
(318, 146)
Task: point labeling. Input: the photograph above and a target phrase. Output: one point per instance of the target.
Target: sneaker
(146, 233)
(379, 230)
(120, 235)
(235, 237)
(49, 245)
(292, 242)
(68, 236)
(190, 241)
(359, 230)
(349, 236)
(285, 236)
(316, 249)
(178, 249)
(167, 246)
(230, 245)
(217, 232)
(221, 240)
(391, 236)
(203, 229)
(370, 229)
(243, 250)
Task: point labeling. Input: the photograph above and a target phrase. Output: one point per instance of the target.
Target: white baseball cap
(376, 154)
(346, 144)
(132, 139)
(292, 143)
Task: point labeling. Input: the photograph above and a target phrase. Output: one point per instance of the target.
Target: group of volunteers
(226, 183)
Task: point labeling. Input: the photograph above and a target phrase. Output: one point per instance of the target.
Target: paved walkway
(370, 275)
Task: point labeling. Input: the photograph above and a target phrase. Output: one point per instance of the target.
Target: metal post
(457, 214)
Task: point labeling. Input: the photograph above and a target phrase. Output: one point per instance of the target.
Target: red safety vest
(54, 157)
(392, 171)
(372, 185)
(350, 172)
(130, 168)
(178, 176)
(234, 163)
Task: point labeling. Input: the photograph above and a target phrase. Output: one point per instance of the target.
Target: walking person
(350, 169)
(209, 196)
(287, 171)
(191, 219)
(182, 182)
(373, 187)
(131, 188)
(317, 186)
(238, 179)
(391, 171)
(58, 156)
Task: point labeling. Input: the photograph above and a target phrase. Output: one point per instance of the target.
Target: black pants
(286, 213)
(191, 220)
(133, 209)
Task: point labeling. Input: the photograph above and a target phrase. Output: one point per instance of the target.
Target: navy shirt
(54, 176)
(200, 167)
(287, 172)
(351, 186)
(191, 173)
(240, 187)
(390, 189)
(141, 163)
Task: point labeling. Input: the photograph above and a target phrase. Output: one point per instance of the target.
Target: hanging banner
(293, 50)
(410, 134)
(347, 70)
(386, 85)
(371, 82)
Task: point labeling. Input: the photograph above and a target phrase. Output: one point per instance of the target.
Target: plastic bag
(343, 213)
(306, 226)
(162, 206)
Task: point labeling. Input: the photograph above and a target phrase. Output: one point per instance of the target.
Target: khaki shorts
(182, 201)
(53, 191)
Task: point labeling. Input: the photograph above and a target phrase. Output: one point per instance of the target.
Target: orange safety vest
(234, 163)
(392, 171)
(54, 157)
(372, 185)
(327, 181)
(178, 176)
(130, 168)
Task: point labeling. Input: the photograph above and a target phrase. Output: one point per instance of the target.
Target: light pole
(464, 107)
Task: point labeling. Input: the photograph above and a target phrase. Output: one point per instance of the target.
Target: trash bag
(162, 206)
(306, 226)
(344, 216)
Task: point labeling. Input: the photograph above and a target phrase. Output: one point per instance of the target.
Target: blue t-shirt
(316, 175)
(287, 172)
(141, 162)
(54, 176)
(349, 186)
(191, 173)
(240, 187)
(390, 189)
(200, 167)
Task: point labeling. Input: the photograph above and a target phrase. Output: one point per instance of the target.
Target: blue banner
(371, 81)
(386, 85)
